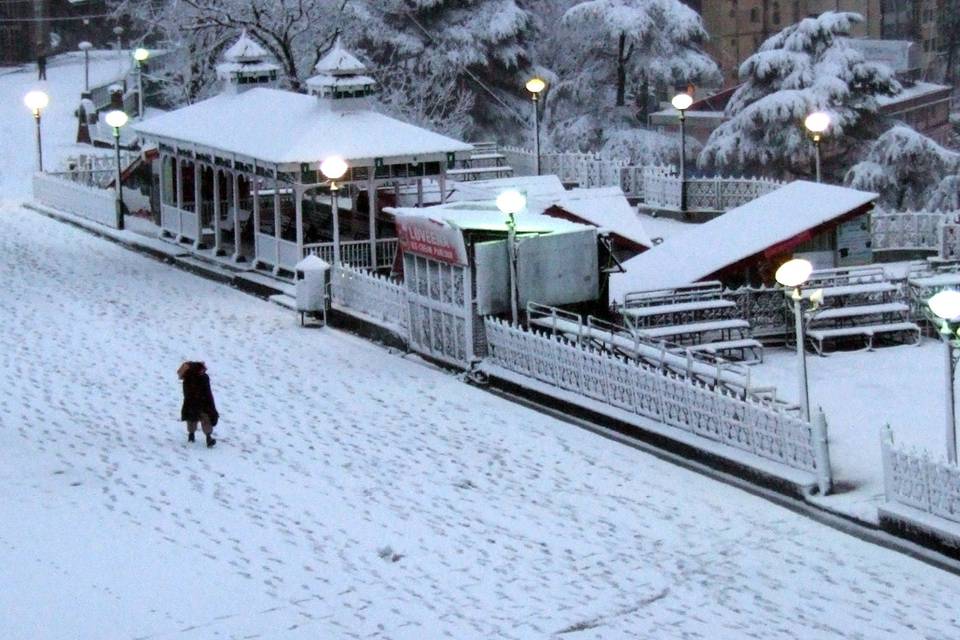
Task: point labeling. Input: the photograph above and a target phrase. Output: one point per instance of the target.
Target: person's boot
(190, 437)
(210, 441)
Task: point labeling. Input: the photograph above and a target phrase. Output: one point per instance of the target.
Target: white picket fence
(680, 402)
(914, 480)
(59, 192)
(374, 296)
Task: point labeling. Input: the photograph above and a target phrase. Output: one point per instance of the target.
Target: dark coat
(197, 397)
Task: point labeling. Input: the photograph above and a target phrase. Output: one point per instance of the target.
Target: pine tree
(909, 171)
(807, 67)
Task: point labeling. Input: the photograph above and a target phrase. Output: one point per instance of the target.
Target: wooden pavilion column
(217, 248)
(178, 167)
(372, 206)
(237, 255)
(443, 187)
(276, 223)
(163, 191)
(298, 207)
(255, 191)
(419, 192)
(197, 197)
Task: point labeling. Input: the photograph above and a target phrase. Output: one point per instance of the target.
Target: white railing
(356, 252)
(912, 479)
(671, 399)
(288, 255)
(662, 185)
(949, 240)
(372, 295)
(905, 231)
(92, 203)
(279, 253)
(581, 169)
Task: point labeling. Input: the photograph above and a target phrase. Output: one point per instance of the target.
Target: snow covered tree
(909, 171)
(475, 47)
(807, 67)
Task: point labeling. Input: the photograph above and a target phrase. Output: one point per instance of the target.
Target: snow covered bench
(697, 332)
(905, 332)
(748, 349)
(480, 173)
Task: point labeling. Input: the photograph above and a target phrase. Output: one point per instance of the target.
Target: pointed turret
(245, 65)
(341, 82)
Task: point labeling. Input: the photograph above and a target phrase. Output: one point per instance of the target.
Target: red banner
(431, 239)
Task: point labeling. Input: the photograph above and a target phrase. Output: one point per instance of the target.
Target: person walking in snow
(198, 405)
(42, 66)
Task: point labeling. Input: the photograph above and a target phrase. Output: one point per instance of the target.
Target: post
(197, 197)
(372, 208)
(298, 215)
(255, 192)
(86, 70)
(139, 89)
(683, 161)
(512, 258)
(217, 250)
(536, 127)
(802, 355)
(178, 168)
(116, 146)
(816, 152)
(237, 254)
(336, 224)
(951, 422)
(276, 222)
(36, 117)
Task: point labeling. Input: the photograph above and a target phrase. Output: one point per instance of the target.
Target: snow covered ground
(358, 493)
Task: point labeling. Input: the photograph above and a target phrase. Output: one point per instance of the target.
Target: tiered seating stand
(860, 307)
(484, 162)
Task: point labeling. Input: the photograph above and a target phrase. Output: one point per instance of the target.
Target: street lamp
(85, 47)
(118, 31)
(36, 101)
(140, 55)
(792, 274)
(945, 305)
(816, 123)
(333, 168)
(117, 119)
(512, 202)
(535, 86)
(681, 102)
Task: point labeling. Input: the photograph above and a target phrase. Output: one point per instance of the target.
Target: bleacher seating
(485, 162)
(696, 316)
(860, 307)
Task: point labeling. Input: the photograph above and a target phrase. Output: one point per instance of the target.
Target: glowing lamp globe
(116, 118)
(535, 85)
(85, 46)
(817, 122)
(945, 304)
(36, 100)
(682, 101)
(140, 54)
(333, 167)
(794, 273)
(511, 201)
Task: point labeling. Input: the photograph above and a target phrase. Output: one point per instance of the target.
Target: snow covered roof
(245, 49)
(910, 92)
(607, 208)
(339, 61)
(282, 127)
(484, 216)
(546, 187)
(736, 235)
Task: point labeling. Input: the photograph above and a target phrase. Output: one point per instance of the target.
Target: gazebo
(240, 172)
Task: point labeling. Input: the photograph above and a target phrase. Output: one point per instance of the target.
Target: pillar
(298, 208)
(197, 197)
(276, 223)
(178, 167)
(217, 248)
(237, 254)
(372, 205)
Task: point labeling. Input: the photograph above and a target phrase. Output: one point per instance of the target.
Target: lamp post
(816, 123)
(535, 86)
(37, 101)
(681, 102)
(945, 306)
(511, 202)
(140, 55)
(85, 47)
(117, 119)
(333, 168)
(792, 274)
(118, 31)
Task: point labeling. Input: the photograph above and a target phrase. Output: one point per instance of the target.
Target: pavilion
(240, 172)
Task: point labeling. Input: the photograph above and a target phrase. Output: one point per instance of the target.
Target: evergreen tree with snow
(618, 56)
(909, 171)
(473, 53)
(807, 67)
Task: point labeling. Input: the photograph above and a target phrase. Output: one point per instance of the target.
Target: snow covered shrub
(807, 67)
(909, 171)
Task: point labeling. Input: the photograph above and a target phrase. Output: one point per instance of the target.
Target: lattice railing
(662, 190)
(909, 230)
(373, 295)
(913, 479)
(356, 252)
(763, 307)
(661, 396)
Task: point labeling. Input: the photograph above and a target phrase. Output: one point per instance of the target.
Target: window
(754, 15)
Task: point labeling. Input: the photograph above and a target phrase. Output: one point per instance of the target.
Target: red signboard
(431, 239)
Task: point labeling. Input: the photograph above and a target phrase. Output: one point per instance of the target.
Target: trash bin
(313, 286)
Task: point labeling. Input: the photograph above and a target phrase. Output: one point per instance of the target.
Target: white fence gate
(372, 296)
(744, 424)
(438, 300)
(913, 480)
